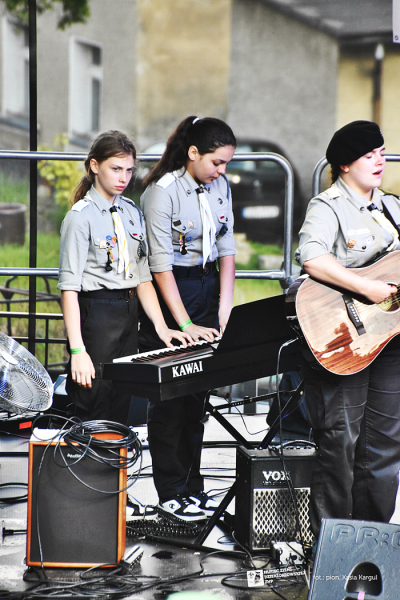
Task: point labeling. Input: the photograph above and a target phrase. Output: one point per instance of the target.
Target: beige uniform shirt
(83, 253)
(339, 223)
(172, 213)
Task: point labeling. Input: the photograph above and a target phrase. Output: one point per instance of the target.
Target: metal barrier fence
(283, 275)
(46, 340)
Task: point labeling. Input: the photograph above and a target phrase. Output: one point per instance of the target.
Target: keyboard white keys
(164, 352)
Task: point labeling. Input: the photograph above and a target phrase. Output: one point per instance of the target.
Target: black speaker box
(264, 509)
(356, 559)
(71, 521)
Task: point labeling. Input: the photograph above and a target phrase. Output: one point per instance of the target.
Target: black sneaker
(136, 511)
(182, 509)
(204, 502)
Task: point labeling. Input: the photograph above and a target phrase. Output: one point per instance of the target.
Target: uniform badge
(103, 244)
(182, 244)
(141, 251)
(351, 243)
(190, 224)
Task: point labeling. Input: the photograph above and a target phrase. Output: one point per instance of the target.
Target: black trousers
(175, 430)
(356, 425)
(109, 330)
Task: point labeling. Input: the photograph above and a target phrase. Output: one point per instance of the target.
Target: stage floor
(168, 564)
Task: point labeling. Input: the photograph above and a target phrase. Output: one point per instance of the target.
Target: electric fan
(25, 385)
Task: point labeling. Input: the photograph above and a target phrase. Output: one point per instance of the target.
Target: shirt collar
(187, 180)
(99, 200)
(357, 198)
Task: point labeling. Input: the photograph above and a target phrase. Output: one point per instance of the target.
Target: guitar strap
(391, 210)
(379, 216)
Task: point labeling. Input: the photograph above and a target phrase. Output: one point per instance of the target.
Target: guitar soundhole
(392, 304)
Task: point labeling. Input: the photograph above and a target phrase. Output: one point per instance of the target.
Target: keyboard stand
(272, 432)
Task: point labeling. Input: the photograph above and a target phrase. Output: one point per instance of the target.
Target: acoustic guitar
(345, 331)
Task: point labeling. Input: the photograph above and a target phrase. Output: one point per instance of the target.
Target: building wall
(161, 61)
(271, 77)
(115, 32)
(182, 65)
(355, 85)
(11, 137)
(355, 98)
(282, 84)
(391, 114)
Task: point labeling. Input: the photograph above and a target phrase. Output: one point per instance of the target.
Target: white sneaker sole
(180, 518)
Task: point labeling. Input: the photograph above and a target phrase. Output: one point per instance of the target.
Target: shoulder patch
(128, 200)
(329, 193)
(228, 189)
(166, 180)
(131, 202)
(80, 205)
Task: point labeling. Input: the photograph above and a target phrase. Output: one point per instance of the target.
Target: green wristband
(77, 350)
(185, 324)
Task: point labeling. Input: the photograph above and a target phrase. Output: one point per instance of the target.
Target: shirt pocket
(105, 245)
(188, 228)
(136, 242)
(361, 249)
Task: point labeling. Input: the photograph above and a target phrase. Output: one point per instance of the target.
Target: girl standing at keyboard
(103, 273)
(188, 211)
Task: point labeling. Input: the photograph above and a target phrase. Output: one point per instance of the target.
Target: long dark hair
(206, 134)
(107, 144)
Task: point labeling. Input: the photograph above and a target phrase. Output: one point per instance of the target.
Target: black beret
(353, 141)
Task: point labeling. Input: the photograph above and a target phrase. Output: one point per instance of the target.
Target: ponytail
(82, 188)
(335, 173)
(106, 145)
(206, 134)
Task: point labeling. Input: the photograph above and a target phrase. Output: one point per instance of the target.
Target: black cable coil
(81, 439)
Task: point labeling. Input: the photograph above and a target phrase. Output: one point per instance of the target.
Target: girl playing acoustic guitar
(355, 418)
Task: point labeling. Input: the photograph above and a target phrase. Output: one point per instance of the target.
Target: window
(86, 77)
(15, 85)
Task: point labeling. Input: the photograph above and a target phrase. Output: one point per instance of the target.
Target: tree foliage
(61, 175)
(73, 11)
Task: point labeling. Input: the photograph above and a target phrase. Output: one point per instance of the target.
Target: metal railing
(46, 340)
(283, 275)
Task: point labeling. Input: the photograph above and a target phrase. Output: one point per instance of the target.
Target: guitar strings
(365, 309)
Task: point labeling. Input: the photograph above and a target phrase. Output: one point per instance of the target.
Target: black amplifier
(265, 510)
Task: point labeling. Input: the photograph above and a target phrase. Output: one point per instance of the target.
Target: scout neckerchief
(123, 263)
(380, 218)
(377, 215)
(208, 224)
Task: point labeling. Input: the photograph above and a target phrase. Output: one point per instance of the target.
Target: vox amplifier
(265, 507)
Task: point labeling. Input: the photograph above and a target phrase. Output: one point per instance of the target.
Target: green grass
(14, 256)
(14, 189)
(249, 290)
